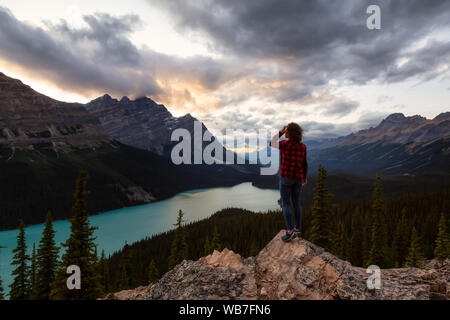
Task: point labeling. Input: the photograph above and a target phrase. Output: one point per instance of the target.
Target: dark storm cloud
(205, 71)
(321, 39)
(339, 108)
(263, 28)
(111, 35)
(100, 58)
(304, 43)
(67, 63)
(308, 43)
(425, 62)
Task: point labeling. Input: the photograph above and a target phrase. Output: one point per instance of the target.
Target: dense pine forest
(392, 230)
(389, 231)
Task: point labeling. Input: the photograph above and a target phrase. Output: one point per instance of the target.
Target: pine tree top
(442, 249)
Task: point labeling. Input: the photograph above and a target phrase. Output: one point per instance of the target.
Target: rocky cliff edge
(294, 270)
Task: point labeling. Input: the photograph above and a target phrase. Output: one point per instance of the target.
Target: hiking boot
(298, 234)
(288, 236)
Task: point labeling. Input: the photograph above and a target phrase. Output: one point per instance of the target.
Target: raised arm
(274, 141)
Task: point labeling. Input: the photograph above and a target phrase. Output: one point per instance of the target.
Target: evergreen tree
(47, 260)
(253, 249)
(378, 240)
(401, 240)
(377, 203)
(442, 249)
(356, 240)
(80, 251)
(320, 234)
(125, 267)
(20, 288)
(215, 242)
(376, 253)
(104, 270)
(179, 248)
(207, 247)
(415, 254)
(367, 240)
(153, 273)
(340, 241)
(33, 273)
(2, 291)
(124, 283)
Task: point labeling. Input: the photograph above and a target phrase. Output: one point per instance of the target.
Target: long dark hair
(295, 132)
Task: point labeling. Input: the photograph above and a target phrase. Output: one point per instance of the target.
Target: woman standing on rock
(293, 175)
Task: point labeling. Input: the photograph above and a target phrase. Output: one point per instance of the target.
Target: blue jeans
(290, 191)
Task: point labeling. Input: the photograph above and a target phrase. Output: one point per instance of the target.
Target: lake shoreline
(137, 204)
(131, 224)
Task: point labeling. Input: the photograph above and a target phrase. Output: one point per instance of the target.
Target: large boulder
(295, 270)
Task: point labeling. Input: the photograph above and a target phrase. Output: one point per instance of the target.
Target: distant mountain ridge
(398, 145)
(396, 128)
(32, 121)
(141, 123)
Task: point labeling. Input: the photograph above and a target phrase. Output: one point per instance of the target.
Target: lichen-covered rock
(302, 270)
(295, 270)
(224, 275)
(139, 293)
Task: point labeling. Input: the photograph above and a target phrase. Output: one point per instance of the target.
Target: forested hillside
(350, 186)
(34, 181)
(350, 227)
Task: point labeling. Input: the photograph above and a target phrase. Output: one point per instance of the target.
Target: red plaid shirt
(293, 164)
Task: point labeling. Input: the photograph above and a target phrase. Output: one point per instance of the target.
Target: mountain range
(398, 145)
(141, 123)
(396, 129)
(44, 143)
(147, 125)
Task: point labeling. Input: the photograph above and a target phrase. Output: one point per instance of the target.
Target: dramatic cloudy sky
(238, 64)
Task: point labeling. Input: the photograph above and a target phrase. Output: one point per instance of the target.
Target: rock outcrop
(221, 275)
(139, 293)
(294, 270)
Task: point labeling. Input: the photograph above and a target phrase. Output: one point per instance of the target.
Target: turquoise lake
(134, 223)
